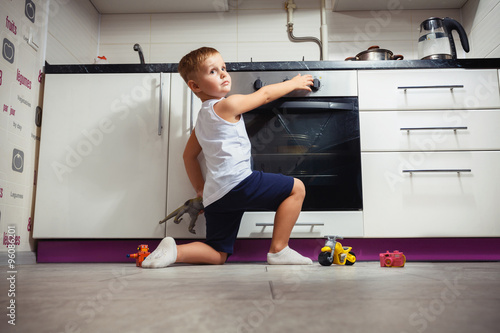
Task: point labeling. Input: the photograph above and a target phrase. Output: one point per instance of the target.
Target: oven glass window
(316, 141)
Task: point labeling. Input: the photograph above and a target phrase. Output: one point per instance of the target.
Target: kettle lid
(432, 23)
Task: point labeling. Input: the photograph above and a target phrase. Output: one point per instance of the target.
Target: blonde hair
(192, 61)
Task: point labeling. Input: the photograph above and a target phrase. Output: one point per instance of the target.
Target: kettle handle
(450, 25)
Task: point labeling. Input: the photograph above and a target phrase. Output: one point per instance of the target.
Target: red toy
(141, 255)
(394, 259)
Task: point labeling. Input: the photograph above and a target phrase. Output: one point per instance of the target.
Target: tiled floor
(421, 297)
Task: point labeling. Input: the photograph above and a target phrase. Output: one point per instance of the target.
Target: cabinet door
(103, 156)
(430, 130)
(184, 109)
(446, 194)
(447, 89)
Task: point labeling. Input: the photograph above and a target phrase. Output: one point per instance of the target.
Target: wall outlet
(31, 40)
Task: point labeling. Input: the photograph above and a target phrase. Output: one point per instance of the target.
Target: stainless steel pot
(376, 53)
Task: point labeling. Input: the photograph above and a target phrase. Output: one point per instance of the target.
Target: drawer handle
(437, 170)
(297, 224)
(160, 111)
(451, 87)
(433, 128)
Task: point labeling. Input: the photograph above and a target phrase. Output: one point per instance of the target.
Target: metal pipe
(290, 6)
(138, 48)
(324, 31)
(305, 39)
(160, 112)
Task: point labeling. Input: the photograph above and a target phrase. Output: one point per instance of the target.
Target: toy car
(334, 252)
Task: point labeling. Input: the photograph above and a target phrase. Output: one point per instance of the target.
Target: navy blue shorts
(259, 191)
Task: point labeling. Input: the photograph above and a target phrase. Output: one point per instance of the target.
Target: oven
(312, 136)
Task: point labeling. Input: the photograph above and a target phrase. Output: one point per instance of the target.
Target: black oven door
(315, 140)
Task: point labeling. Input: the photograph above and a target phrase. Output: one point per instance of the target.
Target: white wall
(73, 32)
(397, 30)
(481, 20)
(256, 29)
(65, 31)
(20, 75)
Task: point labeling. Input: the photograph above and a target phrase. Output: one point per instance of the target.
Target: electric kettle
(436, 40)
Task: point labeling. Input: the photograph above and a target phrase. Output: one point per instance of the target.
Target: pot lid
(374, 49)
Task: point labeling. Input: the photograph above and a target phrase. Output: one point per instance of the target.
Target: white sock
(287, 256)
(164, 255)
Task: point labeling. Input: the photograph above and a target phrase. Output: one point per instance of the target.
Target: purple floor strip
(255, 250)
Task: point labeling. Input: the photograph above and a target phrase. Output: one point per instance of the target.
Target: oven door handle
(317, 105)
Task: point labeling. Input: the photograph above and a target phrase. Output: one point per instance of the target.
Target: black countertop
(282, 66)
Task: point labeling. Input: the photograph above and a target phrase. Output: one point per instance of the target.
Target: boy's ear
(193, 86)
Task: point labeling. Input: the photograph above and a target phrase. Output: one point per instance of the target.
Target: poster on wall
(21, 63)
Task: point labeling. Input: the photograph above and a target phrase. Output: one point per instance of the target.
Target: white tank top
(227, 151)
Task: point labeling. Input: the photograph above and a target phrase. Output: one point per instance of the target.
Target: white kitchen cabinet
(430, 130)
(183, 117)
(103, 156)
(430, 152)
(443, 89)
(362, 5)
(427, 203)
(163, 6)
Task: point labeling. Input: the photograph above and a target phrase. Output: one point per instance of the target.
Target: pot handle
(351, 59)
(397, 57)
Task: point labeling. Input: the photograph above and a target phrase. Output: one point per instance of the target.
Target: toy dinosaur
(193, 207)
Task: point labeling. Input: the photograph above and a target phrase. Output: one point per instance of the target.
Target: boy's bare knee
(222, 259)
(299, 188)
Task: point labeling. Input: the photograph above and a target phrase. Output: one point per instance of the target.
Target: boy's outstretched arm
(234, 105)
(193, 169)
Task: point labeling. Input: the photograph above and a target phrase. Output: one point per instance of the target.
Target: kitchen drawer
(309, 224)
(435, 203)
(428, 89)
(430, 130)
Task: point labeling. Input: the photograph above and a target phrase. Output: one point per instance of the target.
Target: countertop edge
(487, 63)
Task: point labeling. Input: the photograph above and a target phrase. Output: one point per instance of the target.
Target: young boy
(231, 187)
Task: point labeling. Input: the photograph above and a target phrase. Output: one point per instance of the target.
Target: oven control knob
(258, 84)
(316, 85)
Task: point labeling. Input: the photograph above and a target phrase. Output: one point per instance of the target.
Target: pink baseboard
(255, 250)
